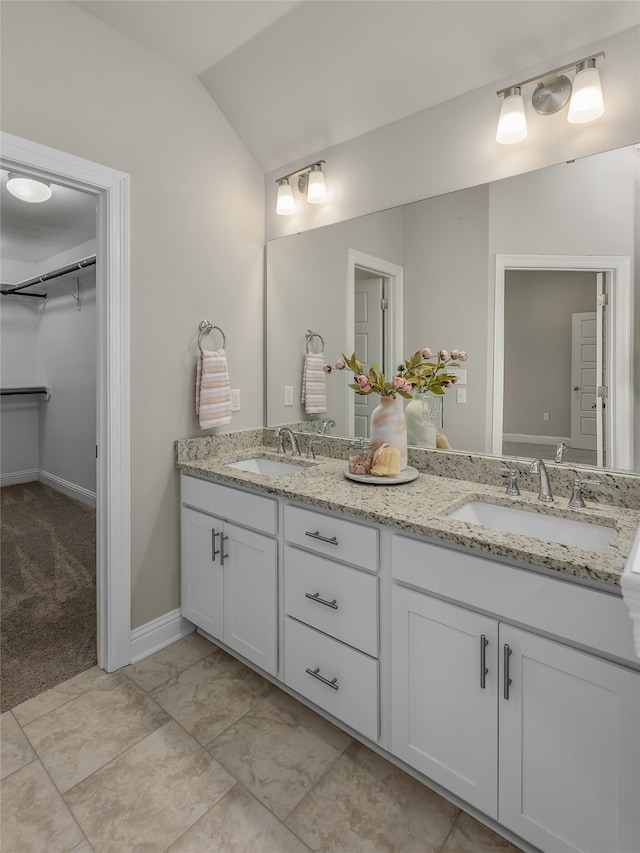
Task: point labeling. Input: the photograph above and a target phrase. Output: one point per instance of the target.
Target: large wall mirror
(535, 276)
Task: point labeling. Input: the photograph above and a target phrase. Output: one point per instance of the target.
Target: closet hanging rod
(8, 289)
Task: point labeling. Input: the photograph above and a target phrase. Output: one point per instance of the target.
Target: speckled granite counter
(422, 507)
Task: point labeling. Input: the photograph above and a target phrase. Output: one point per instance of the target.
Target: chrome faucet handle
(576, 501)
(560, 449)
(311, 448)
(512, 486)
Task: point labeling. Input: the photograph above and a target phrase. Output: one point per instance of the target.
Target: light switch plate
(235, 399)
(288, 395)
(461, 395)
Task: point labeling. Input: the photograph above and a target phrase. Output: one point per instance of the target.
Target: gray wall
(538, 305)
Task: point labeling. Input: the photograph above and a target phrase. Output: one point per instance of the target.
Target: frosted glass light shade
(586, 100)
(28, 189)
(285, 205)
(512, 125)
(316, 189)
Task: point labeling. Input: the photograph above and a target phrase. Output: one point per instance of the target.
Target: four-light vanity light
(552, 92)
(310, 183)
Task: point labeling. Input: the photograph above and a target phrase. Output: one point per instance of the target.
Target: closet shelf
(24, 390)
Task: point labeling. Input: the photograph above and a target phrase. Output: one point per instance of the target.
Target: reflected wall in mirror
(447, 248)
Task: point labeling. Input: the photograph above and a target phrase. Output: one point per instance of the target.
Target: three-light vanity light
(310, 183)
(553, 90)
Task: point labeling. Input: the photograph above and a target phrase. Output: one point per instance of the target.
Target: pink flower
(398, 382)
(455, 353)
(340, 364)
(462, 355)
(327, 368)
(444, 355)
(363, 381)
(407, 385)
(427, 353)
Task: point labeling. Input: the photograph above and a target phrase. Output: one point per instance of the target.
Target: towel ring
(309, 335)
(206, 327)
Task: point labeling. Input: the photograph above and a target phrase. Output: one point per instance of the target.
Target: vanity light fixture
(310, 183)
(28, 189)
(553, 90)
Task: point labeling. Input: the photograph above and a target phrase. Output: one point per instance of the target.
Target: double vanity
(476, 639)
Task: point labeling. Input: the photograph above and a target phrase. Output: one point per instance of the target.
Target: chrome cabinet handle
(223, 556)
(214, 551)
(316, 535)
(507, 681)
(316, 597)
(316, 674)
(483, 660)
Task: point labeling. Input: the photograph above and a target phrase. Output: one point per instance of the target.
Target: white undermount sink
(550, 528)
(263, 465)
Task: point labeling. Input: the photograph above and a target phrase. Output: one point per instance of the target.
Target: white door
(585, 343)
(368, 337)
(569, 747)
(201, 571)
(444, 704)
(250, 596)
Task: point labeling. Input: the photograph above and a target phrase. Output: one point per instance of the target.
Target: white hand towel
(213, 389)
(314, 384)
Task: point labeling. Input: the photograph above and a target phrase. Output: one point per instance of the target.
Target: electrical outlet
(461, 395)
(545, 416)
(235, 400)
(288, 395)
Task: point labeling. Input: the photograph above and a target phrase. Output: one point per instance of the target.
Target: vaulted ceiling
(294, 78)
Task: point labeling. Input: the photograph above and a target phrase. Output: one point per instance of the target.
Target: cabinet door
(569, 747)
(444, 706)
(250, 596)
(201, 571)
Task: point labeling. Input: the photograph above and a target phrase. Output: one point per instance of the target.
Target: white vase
(424, 418)
(389, 426)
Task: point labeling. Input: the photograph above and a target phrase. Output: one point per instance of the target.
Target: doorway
(374, 326)
(616, 350)
(111, 191)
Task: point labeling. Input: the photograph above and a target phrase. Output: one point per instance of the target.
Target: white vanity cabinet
(331, 625)
(541, 736)
(229, 567)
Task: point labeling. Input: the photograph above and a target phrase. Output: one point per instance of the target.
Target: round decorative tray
(405, 476)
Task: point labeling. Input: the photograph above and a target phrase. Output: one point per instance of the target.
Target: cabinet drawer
(334, 537)
(351, 694)
(340, 601)
(249, 510)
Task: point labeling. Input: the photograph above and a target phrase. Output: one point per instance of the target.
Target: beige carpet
(48, 590)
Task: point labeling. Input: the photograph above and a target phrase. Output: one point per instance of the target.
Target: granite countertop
(421, 507)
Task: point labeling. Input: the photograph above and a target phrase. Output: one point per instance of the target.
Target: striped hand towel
(213, 389)
(314, 384)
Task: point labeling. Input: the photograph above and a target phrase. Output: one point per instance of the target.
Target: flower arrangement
(418, 372)
(425, 374)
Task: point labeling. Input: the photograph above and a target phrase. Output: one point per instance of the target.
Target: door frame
(113, 516)
(394, 321)
(618, 343)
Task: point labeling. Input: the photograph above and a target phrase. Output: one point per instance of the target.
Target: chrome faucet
(538, 467)
(560, 449)
(280, 435)
(326, 423)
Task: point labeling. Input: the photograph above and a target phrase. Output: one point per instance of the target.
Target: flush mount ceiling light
(28, 189)
(553, 90)
(310, 183)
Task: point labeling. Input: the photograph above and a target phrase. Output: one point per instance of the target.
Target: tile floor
(189, 751)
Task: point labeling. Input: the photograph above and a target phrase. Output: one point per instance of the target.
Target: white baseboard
(19, 477)
(67, 488)
(535, 439)
(158, 633)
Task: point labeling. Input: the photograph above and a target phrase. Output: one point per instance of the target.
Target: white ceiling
(294, 78)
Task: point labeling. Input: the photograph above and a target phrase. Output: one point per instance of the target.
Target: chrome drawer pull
(316, 674)
(507, 681)
(223, 556)
(316, 535)
(483, 660)
(316, 597)
(214, 550)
